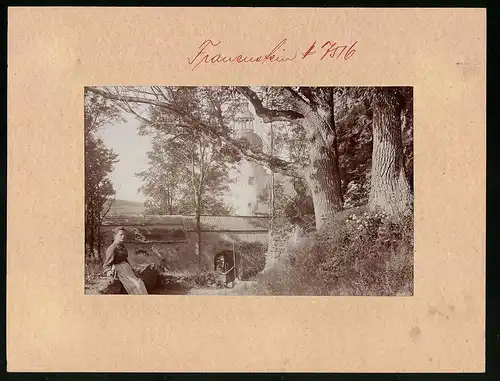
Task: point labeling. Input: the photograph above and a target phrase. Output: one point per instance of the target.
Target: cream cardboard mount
(55, 52)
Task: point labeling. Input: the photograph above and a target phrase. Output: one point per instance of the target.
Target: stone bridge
(171, 240)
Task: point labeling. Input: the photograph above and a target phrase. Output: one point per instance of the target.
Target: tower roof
(245, 114)
(251, 137)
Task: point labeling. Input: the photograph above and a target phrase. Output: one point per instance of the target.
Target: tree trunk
(273, 191)
(272, 194)
(91, 234)
(99, 242)
(322, 173)
(198, 237)
(389, 189)
(87, 239)
(88, 252)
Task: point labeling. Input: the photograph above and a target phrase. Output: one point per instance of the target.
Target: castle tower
(252, 178)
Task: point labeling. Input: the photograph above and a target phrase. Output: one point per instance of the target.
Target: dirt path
(240, 288)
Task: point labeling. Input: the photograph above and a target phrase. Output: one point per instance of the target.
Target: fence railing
(228, 271)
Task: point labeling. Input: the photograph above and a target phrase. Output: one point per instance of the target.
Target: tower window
(251, 180)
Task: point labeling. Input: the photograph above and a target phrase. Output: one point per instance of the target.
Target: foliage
(179, 172)
(93, 270)
(206, 278)
(354, 134)
(99, 162)
(354, 124)
(359, 253)
(193, 277)
(357, 192)
(207, 111)
(187, 172)
(298, 208)
(98, 111)
(407, 132)
(253, 257)
(161, 182)
(289, 142)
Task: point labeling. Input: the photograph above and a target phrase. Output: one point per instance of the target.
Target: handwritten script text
(208, 53)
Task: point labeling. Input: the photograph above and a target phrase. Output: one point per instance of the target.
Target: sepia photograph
(248, 190)
(259, 174)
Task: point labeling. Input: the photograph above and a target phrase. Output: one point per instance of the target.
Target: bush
(357, 193)
(358, 253)
(93, 270)
(298, 208)
(190, 279)
(253, 256)
(204, 278)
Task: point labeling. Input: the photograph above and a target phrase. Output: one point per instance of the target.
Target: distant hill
(126, 207)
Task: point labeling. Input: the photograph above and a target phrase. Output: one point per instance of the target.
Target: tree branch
(127, 98)
(266, 114)
(275, 164)
(108, 209)
(298, 96)
(307, 93)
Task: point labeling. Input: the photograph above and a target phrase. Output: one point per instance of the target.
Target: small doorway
(224, 263)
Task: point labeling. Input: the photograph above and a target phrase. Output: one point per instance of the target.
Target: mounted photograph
(248, 190)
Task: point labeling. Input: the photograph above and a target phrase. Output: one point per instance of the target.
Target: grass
(357, 253)
(93, 270)
(191, 278)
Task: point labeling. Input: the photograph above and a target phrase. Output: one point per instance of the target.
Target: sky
(124, 140)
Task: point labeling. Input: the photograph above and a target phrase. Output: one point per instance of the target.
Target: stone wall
(281, 237)
(182, 255)
(213, 243)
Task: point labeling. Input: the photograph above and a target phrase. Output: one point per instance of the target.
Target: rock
(148, 273)
(175, 281)
(106, 285)
(109, 285)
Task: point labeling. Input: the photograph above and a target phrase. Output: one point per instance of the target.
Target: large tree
(184, 175)
(187, 173)
(99, 162)
(311, 107)
(99, 191)
(99, 111)
(162, 183)
(375, 132)
(390, 189)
